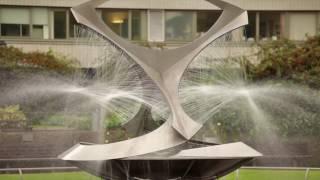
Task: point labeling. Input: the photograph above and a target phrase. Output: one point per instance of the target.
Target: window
(180, 25)
(139, 25)
(10, 30)
(25, 29)
(72, 25)
(269, 25)
(250, 29)
(118, 21)
(263, 26)
(205, 20)
(37, 31)
(131, 24)
(156, 25)
(40, 23)
(60, 24)
(15, 22)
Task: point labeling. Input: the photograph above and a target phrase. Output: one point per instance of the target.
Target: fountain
(169, 151)
(160, 114)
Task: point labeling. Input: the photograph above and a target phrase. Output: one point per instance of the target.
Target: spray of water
(110, 86)
(216, 91)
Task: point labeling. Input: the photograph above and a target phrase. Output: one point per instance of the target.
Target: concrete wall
(86, 55)
(41, 144)
(291, 5)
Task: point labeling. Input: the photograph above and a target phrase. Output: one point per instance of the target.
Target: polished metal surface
(165, 68)
(195, 162)
(237, 150)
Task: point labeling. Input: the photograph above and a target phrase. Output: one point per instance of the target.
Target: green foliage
(286, 64)
(50, 176)
(12, 113)
(112, 121)
(12, 57)
(68, 121)
(285, 60)
(114, 131)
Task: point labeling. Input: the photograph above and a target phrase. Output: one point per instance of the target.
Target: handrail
(38, 169)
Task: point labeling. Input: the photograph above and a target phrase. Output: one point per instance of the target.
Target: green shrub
(12, 57)
(12, 113)
(112, 121)
(68, 121)
(285, 60)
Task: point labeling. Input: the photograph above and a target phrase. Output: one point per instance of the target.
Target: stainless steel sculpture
(165, 68)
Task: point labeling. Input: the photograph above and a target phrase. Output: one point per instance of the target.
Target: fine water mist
(217, 92)
(110, 89)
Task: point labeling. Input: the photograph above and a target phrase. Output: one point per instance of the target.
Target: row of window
(23, 22)
(141, 25)
(36, 23)
(178, 25)
(264, 26)
(44, 23)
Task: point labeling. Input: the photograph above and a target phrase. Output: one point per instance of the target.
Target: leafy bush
(12, 57)
(112, 121)
(12, 113)
(285, 60)
(68, 121)
(285, 63)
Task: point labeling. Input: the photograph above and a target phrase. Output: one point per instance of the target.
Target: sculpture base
(200, 163)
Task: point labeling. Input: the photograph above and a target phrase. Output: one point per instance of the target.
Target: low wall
(42, 143)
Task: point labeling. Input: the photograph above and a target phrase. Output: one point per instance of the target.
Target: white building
(49, 24)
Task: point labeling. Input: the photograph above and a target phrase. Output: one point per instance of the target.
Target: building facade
(48, 24)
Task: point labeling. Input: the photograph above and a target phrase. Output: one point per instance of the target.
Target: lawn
(245, 174)
(51, 176)
(250, 174)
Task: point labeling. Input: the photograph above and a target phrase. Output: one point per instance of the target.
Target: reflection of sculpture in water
(169, 151)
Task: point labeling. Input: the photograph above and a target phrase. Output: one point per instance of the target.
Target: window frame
(129, 11)
(52, 28)
(20, 25)
(194, 26)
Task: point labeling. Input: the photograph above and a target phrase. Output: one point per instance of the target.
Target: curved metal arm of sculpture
(166, 68)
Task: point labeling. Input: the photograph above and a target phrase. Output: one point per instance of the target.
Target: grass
(51, 176)
(245, 174)
(251, 174)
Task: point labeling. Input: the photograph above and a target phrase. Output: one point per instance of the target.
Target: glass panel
(117, 20)
(180, 26)
(156, 33)
(250, 29)
(139, 25)
(14, 16)
(205, 20)
(37, 31)
(270, 25)
(25, 30)
(72, 24)
(60, 24)
(10, 29)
